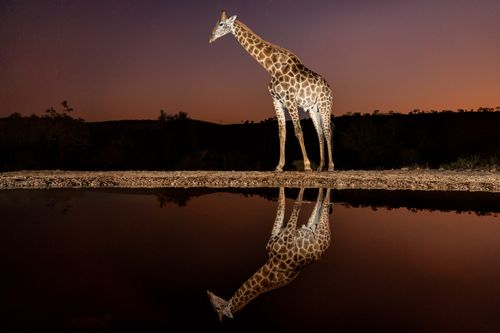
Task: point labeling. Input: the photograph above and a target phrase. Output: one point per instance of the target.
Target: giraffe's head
(223, 26)
(221, 306)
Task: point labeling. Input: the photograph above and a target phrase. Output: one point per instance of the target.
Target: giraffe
(290, 249)
(292, 86)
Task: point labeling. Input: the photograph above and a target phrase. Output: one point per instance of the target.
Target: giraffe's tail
(220, 305)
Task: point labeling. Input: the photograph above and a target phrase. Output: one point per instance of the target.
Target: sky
(130, 59)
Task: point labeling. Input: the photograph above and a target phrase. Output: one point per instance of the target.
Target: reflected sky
(119, 261)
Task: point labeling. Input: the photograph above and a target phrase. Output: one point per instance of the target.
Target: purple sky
(129, 59)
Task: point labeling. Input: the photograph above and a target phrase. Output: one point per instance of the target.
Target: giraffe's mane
(282, 49)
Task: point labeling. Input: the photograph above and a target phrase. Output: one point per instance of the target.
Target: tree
(182, 115)
(15, 115)
(179, 116)
(53, 113)
(163, 116)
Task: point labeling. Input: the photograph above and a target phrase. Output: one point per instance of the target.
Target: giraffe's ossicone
(290, 248)
(292, 86)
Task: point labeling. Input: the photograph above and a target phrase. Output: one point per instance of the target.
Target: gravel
(404, 179)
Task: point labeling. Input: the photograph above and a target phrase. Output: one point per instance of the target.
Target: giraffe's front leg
(280, 214)
(280, 115)
(294, 215)
(294, 114)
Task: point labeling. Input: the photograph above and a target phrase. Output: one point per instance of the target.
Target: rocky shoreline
(413, 179)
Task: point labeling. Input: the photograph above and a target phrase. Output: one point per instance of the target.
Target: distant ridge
(450, 140)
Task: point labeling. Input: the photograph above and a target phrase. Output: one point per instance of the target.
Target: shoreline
(415, 179)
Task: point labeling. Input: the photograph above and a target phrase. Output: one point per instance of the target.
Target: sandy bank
(423, 180)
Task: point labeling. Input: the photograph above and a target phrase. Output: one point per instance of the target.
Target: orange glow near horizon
(118, 60)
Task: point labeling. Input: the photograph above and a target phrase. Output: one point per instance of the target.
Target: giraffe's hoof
(330, 168)
(320, 168)
(278, 169)
(307, 169)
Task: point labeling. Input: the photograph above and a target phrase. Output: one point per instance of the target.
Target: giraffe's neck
(267, 278)
(269, 56)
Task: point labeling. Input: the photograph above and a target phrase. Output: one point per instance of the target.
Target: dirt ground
(416, 179)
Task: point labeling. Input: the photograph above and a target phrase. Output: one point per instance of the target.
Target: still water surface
(142, 261)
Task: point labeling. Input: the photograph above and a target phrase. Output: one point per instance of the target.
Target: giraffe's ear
(231, 19)
(223, 15)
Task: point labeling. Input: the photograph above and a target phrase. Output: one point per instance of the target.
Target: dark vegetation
(479, 203)
(459, 140)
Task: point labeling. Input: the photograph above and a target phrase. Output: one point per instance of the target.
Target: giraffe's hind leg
(325, 113)
(317, 121)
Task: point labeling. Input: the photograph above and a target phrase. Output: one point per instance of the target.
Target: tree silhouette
(179, 116)
(462, 139)
(163, 116)
(65, 113)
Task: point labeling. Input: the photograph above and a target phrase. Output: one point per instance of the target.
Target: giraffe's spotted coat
(290, 248)
(292, 86)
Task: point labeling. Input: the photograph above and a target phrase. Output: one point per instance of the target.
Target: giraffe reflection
(290, 249)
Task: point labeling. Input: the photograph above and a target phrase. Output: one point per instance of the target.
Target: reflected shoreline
(480, 203)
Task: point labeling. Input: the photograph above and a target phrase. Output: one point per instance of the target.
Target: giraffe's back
(298, 248)
(295, 83)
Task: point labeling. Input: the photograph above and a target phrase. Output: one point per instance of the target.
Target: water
(143, 260)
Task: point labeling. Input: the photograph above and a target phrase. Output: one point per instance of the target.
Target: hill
(369, 141)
